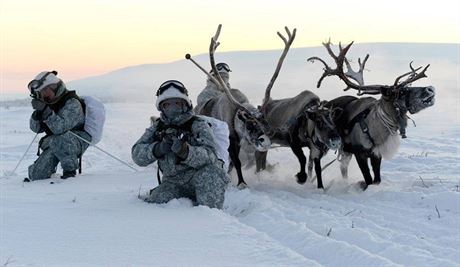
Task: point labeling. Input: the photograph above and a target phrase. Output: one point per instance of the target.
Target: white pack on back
(94, 118)
(221, 133)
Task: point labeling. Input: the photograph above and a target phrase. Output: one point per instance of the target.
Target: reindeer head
(401, 94)
(409, 98)
(323, 119)
(250, 126)
(418, 98)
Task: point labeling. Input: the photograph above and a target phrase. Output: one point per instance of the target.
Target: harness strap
(187, 126)
(79, 164)
(158, 175)
(360, 118)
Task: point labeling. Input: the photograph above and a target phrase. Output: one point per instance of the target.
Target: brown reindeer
(245, 122)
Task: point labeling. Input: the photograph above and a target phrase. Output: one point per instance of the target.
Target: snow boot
(68, 174)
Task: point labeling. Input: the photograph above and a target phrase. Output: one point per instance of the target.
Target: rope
(387, 121)
(86, 141)
(323, 168)
(27, 150)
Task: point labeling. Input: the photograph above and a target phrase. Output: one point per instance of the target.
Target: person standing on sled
(57, 112)
(185, 148)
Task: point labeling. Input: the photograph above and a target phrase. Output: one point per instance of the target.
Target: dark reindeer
(232, 106)
(369, 127)
(297, 122)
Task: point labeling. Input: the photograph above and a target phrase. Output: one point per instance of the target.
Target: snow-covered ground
(411, 219)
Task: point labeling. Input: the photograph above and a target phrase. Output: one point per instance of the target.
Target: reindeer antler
(413, 76)
(287, 45)
(358, 76)
(218, 79)
(340, 59)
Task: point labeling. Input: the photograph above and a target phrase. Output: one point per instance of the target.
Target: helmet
(172, 89)
(42, 80)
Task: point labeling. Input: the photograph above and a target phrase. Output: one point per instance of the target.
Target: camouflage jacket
(210, 91)
(202, 152)
(68, 117)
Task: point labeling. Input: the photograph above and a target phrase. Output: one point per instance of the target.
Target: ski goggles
(222, 66)
(172, 83)
(35, 84)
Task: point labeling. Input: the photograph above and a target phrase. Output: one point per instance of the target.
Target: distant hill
(251, 71)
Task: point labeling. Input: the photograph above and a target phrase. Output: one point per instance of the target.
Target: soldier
(57, 112)
(212, 90)
(185, 148)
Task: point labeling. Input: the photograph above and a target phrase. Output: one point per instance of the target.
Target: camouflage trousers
(63, 148)
(206, 187)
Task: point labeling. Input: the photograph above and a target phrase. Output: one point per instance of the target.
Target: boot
(68, 174)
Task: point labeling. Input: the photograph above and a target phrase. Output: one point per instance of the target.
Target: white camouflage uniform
(60, 147)
(199, 177)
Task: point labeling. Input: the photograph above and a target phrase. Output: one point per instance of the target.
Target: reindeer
(297, 122)
(232, 106)
(369, 127)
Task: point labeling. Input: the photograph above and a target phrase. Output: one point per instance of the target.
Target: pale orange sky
(92, 37)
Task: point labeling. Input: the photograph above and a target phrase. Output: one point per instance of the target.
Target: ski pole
(27, 150)
(89, 143)
(189, 57)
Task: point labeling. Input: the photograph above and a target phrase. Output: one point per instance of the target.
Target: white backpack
(94, 118)
(221, 133)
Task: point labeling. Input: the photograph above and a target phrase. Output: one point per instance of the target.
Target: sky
(92, 37)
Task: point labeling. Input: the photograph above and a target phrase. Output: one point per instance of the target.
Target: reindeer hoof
(376, 181)
(363, 185)
(242, 186)
(301, 177)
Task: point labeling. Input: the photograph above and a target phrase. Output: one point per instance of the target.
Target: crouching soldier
(185, 148)
(58, 112)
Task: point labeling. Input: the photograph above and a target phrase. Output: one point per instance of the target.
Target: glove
(180, 148)
(162, 148)
(37, 104)
(46, 113)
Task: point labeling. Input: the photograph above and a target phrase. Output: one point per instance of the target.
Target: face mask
(173, 108)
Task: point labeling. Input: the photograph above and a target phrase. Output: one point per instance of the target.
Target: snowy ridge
(252, 70)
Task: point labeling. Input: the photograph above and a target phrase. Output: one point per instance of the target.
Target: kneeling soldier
(185, 148)
(57, 112)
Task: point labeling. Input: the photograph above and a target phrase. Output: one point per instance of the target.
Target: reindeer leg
(318, 172)
(301, 176)
(310, 166)
(376, 162)
(344, 162)
(234, 151)
(362, 163)
(261, 160)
